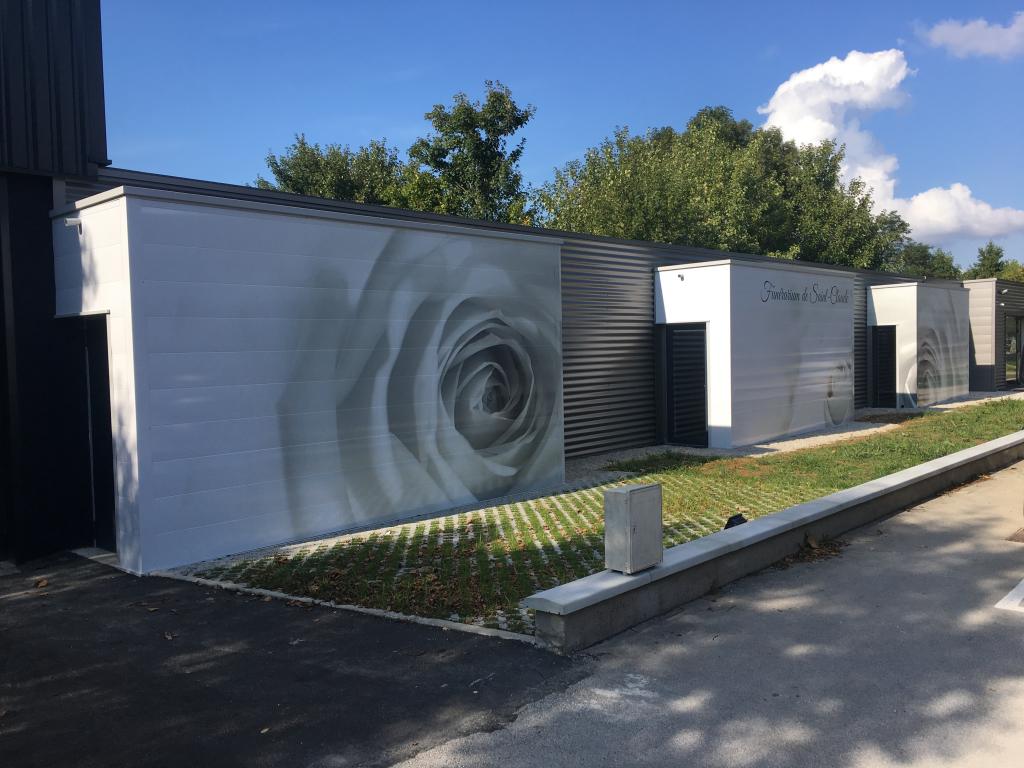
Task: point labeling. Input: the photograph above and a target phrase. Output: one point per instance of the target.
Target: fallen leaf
(264, 730)
(168, 636)
(150, 610)
(40, 583)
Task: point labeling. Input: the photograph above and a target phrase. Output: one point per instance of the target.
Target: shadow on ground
(101, 668)
(890, 654)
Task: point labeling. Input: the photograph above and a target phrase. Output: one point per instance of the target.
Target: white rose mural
(839, 394)
(943, 345)
(447, 377)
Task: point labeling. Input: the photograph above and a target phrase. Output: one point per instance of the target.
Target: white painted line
(1013, 601)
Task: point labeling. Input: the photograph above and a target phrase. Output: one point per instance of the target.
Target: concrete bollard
(632, 528)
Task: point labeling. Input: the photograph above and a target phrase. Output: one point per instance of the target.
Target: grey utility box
(632, 528)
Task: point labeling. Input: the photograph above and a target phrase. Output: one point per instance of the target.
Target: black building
(52, 129)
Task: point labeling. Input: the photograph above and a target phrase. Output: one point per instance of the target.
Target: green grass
(477, 566)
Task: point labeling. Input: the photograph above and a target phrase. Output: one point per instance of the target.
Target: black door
(686, 367)
(883, 366)
(101, 447)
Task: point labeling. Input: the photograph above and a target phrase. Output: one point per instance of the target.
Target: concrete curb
(583, 612)
(231, 586)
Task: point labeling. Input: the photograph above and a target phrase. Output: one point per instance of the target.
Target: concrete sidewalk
(892, 654)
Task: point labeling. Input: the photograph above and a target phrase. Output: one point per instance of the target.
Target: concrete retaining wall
(583, 612)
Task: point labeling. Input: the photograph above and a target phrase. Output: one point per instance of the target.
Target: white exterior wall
(932, 339)
(792, 350)
(298, 373)
(943, 343)
(984, 353)
(897, 305)
(775, 365)
(702, 296)
(93, 276)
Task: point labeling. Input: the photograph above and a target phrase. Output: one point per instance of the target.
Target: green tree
(466, 167)
(989, 262)
(723, 184)
(921, 260)
(372, 174)
(1012, 270)
(834, 223)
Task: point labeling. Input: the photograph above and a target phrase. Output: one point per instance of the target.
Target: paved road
(891, 654)
(88, 677)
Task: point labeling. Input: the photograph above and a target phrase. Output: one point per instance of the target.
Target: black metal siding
(51, 87)
(46, 478)
(1009, 303)
(687, 353)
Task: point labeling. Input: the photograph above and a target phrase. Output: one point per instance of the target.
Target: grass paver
(476, 566)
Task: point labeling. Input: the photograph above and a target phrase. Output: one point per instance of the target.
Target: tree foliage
(466, 167)
(723, 184)
(718, 183)
(1013, 270)
(990, 262)
(921, 260)
(371, 174)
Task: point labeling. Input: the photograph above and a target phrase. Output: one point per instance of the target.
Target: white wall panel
(897, 305)
(792, 350)
(301, 372)
(780, 344)
(932, 339)
(93, 276)
(699, 293)
(943, 343)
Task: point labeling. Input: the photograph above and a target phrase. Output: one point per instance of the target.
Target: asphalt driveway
(98, 668)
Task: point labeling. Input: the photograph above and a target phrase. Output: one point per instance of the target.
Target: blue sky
(205, 89)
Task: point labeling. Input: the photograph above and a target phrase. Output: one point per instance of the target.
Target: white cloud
(828, 100)
(978, 37)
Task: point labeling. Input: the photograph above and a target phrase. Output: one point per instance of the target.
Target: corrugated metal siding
(51, 87)
(860, 342)
(608, 345)
(1009, 303)
(982, 314)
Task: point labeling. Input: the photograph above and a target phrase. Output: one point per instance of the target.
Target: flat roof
(283, 209)
(943, 285)
(114, 177)
(786, 265)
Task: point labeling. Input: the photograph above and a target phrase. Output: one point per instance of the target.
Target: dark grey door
(1012, 351)
(883, 366)
(687, 392)
(101, 444)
